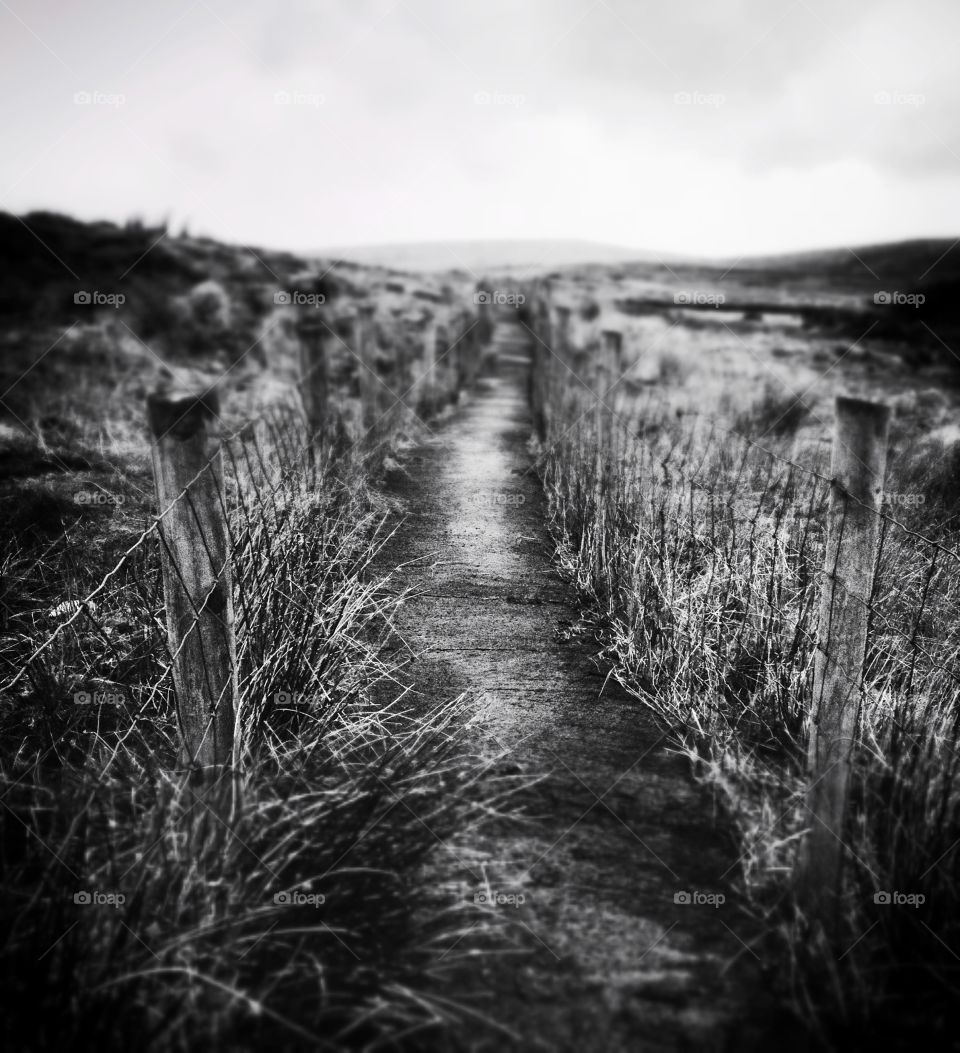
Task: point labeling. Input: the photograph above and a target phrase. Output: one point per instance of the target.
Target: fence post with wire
(314, 372)
(819, 629)
(606, 377)
(857, 472)
(560, 330)
(540, 365)
(195, 566)
(364, 335)
(473, 347)
(208, 551)
(427, 380)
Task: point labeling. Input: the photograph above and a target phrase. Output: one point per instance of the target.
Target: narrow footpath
(617, 835)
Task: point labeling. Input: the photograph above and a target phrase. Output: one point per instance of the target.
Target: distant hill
(494, 254)
(906, 291)
(922, 265)
(908, 262)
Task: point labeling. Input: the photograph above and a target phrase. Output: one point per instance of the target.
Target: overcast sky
(717, 126)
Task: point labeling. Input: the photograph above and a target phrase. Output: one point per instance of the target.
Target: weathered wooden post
(560, 332)
(428, 376)
(484, 315)
(462, 352)
(447, 367)
(541, 318)
(560, 355)
(599, 382)
(857, 468)
(314, 372)
(612, 352)
(363, 333)
(475, 353)
(194, 559)
(468, 351)
(466, 348)
(405, 371)
(542, 363)
(538, 387)
(611, 364)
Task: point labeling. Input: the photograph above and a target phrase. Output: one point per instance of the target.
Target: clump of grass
(275, 909)
(293, 902)
(698, 561)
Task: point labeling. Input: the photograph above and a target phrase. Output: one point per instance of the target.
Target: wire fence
(769, 600)
(189, 636)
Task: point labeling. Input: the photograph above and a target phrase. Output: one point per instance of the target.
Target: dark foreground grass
(299, 899)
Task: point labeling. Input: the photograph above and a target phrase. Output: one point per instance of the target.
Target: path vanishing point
(616, 830)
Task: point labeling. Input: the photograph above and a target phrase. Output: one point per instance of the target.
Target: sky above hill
(707, 127)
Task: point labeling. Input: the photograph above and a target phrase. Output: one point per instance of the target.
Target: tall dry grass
(297, 901)
(697, 554)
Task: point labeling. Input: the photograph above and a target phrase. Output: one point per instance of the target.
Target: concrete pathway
(616, 832)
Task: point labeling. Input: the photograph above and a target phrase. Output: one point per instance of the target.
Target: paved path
(617, 828)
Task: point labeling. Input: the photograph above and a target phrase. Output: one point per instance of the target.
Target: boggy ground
(601, 956)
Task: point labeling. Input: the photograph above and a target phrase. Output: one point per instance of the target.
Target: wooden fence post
(449, 388)
(466, 349)
(470, 358)
(545, 327)
(542, 363)
(537, 388)
(599, 381)
(403, 389)
(561, 353)
(611, 368)
(364, 349)
(560, 332)
(857, 469)
(194, 558)
(428, 377)
(612, 352)
(484, 315)
(314, 373)
(477, 346)
(461, 351)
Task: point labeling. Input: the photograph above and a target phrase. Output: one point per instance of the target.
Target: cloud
(415, 119)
